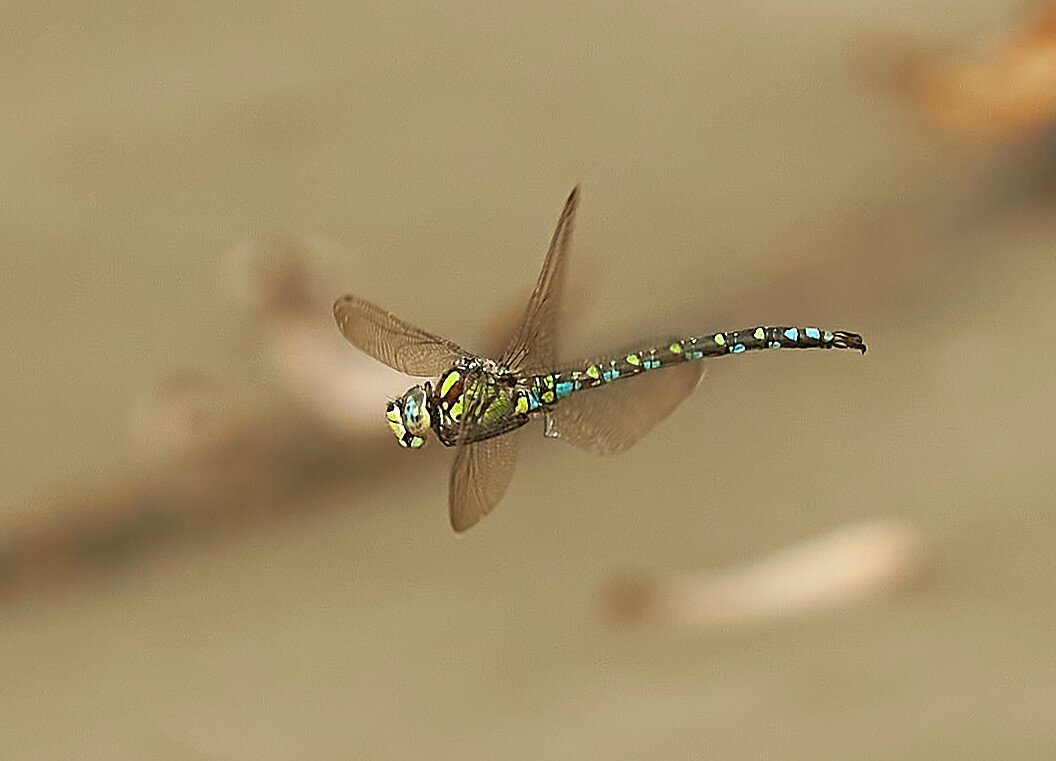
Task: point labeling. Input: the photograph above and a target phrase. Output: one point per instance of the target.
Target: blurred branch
(216, 465)
(845, 567)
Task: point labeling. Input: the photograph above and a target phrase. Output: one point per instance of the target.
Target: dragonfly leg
(549, 426)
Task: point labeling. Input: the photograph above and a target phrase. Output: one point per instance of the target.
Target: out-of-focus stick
(837, 569)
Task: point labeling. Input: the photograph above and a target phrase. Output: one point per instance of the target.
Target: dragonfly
(604, 404)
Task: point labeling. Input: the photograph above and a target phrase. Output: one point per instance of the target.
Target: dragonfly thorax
(408, 417)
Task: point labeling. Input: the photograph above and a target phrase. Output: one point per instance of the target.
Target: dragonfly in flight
(604, 404)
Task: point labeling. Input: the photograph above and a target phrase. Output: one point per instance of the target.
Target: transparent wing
(611, 418)
(389, 339)
(485, 457)
(479, 478)
(534, 344)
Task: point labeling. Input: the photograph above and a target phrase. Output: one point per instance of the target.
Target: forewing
(534, 344)
(611, 418)
(389, 339)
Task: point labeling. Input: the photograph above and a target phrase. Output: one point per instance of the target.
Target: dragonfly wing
(486, 454)
(479, 478)
(388, 339)
(534, 344)
(611, 418)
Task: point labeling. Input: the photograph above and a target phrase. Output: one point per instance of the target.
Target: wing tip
(338, 303)
(573, 197)
(461, 522)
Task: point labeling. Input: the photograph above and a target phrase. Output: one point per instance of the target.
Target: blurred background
(210, 547)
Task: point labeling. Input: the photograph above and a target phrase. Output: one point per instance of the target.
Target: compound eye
(415, 410)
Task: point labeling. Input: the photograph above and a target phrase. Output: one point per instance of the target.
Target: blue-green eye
(409, 418)
(415, 411)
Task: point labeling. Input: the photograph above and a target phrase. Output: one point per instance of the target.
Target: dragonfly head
(409, 418)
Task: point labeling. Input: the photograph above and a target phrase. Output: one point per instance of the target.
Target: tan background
(735, 171)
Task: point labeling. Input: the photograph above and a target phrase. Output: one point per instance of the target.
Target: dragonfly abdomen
(545, 390)
(751, 339)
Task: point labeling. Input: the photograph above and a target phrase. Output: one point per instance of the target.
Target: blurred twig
(834, 570)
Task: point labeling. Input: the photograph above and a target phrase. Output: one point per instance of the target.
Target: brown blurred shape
(1007, 92)
(216, 464)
